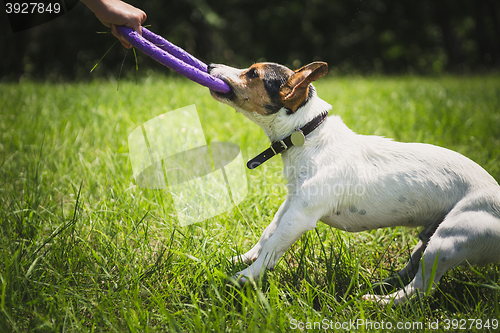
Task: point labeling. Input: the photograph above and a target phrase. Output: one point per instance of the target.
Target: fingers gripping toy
(173, 57)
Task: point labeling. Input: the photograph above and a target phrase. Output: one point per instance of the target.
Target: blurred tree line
(353, 36)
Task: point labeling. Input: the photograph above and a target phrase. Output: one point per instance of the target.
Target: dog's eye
(252, 73)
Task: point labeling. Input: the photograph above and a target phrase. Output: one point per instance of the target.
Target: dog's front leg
(291, 226)
(251, 255)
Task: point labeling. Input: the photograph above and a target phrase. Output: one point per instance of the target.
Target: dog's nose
(210, 68)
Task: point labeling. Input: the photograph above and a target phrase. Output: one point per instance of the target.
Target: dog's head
(266, 88)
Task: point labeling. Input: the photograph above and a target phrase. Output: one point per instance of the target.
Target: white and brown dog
(355, 182)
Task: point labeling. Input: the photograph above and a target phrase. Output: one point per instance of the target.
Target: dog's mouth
(218, 95)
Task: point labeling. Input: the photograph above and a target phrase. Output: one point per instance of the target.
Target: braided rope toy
(173, 57)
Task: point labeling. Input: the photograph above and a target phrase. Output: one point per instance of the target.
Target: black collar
(297, 138)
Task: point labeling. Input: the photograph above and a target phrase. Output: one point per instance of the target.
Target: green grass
(84, 249)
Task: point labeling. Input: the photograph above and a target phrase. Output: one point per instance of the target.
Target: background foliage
(370, 36)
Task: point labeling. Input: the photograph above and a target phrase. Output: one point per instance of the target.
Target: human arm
(115, 12)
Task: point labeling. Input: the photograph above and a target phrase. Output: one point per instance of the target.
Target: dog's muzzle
(229, 95)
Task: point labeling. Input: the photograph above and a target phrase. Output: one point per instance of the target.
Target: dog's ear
(294, 92)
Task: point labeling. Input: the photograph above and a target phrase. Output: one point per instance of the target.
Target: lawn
(82, 248)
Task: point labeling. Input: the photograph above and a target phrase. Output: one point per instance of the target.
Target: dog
(356, 182)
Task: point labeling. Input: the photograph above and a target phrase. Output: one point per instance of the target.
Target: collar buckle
(283, 144)
(281, 149)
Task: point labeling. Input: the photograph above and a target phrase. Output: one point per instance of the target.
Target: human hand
(115, 12)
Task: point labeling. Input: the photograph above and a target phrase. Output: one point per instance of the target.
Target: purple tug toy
(173, 57)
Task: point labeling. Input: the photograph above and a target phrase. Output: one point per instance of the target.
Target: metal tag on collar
(297, 138)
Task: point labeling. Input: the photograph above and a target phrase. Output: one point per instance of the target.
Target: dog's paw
(381, 300)
(237, 259)
(238, 280)
(371, 298)
(244, 276)
(242, 259)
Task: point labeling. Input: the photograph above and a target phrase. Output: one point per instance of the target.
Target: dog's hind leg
(404, 276)
(472, 236)
(418, 283)
(253, 254)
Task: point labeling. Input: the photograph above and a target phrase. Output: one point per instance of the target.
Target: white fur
(354, 182)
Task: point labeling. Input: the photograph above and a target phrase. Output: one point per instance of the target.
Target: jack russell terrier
(355, 182)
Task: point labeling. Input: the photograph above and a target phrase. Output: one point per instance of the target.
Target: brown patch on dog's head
(263, 82)
(265, 88)
(294, 93)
